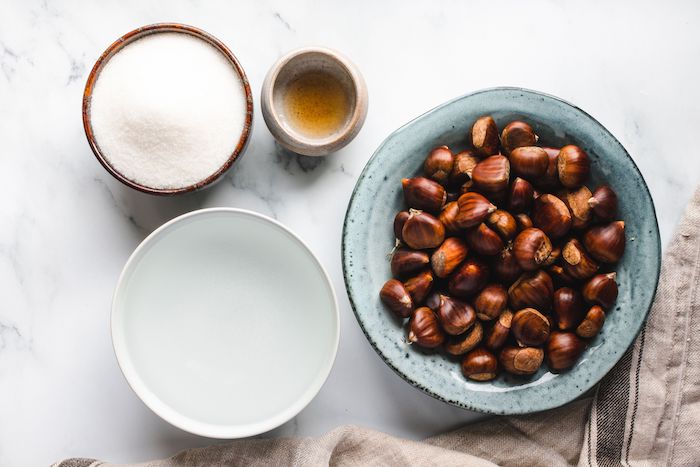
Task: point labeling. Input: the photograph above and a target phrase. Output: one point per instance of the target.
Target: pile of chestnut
(504, 257)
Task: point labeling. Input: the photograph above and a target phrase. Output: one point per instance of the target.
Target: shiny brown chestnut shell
(531, 247)
(532, 289)
(424, 329)
(551, 215)
(505, 266)
(529, 162)
(464, 163)
(491, 302)
(576, 261)
(448, 256)
(503, 223)
(568, 308)
(563, 350)
(601, 290)
(438, 164)
(422, 230)
(484, 136)
(483, 240)
(521, 361)
(523, 221)
(448, 217)
(459, 345)
(517, 134)
(499, 332)
(573, 166)
(559, 275)
(469, 279)
(395, 296)
(606, 243)
(550, 179)
(603, 203)
(424, 194)
(419, 286)
(530, 327)
(480, 365)
(405, 261)
(521, 195)
(473, 210)
(492, 174)
(592, 323)
(577, 202)
(399, 221)
(455, 316)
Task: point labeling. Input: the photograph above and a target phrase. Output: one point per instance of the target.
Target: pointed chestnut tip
(621, 224)
(611, 275)
(592, 202)
(405, 181)
(492, 208)
(411, 337)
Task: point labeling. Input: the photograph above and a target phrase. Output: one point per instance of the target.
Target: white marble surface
(66, 227)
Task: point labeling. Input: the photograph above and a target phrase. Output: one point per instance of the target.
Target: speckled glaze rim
(541, 404)
(153, 401)
(139, 33)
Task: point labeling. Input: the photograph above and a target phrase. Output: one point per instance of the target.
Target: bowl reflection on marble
(224, 323)
(368, 237)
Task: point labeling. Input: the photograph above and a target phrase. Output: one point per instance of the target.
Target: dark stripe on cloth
(636, 393)
(611, 408)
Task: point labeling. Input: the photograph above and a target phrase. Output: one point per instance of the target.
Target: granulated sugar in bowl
(169, 111)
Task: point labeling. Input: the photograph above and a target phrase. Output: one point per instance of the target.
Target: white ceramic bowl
(224, 323)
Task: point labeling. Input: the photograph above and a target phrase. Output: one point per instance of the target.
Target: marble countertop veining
(67, 227)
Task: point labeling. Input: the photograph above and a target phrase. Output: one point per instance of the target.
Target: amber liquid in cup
(316, 105)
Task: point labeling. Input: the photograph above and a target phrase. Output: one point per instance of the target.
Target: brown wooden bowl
(116, 47)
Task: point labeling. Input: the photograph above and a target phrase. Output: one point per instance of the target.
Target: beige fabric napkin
(645, 412)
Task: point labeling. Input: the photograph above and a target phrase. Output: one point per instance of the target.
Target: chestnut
(438, 164)
(551, 215)
(498, 335)
(473, 210)
(523, 221)
(521, 195)
(422, 230)
(532, 289)
(491, 302)
(505, 266)
(470, 278)
(395, 296)
(480, 365)
(448, 217)
(553, 257)
(603, 202)
(521, 361)
(503, 223)
(531, 248)
(563, 350)
(517, 134)
(573, 166)
(484, 136)
(576, 261)
(459, 345)
(601, 290)
(464, 163)
(399, 221)
(592, 323)
(492, 174)
(455, 316)
(483, 240)
(568, 308)
(577, 202)
(407, 261)
(560, 275)
(424, 329)
(448, 256)
(530, 327)
(419, 286)
(529, 162)
(550, 179)
(424, 194)
(606, 243)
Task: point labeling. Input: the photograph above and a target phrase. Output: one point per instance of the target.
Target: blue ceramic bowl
(368, 238)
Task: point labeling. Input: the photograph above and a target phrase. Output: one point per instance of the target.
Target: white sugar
(168, 110)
